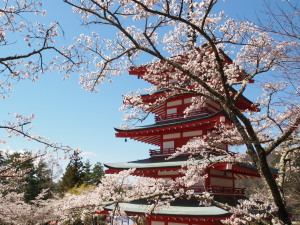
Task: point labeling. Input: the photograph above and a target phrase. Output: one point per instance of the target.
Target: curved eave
(140, 71)
(151, 166)
(160, 164)
(150, 163)
(183, 211)
(242, 103)
(173, 124)
(152, 134)
(241, 170)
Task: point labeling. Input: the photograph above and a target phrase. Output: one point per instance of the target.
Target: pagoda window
(221, 182)
(221, 178)
(171, 223)
(189, 99)
(168, 173)
(192, 133)
(221, 173)
(157, 223)
(198, 187)
(171, 136)
(170, 114)
(171, 111)
(168, 144)
(174, 103)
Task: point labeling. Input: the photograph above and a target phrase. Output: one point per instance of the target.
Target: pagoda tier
(179, 212)
(221, 176)
(143, 71)
(173, 134)
(174, 107)
(161, 168)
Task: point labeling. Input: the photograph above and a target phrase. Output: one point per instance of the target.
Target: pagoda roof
(141, 70)
(182, 210)
(181, 207)
(151, 163)
(242, 103)
(186, 211)
(151, 134)
(151, 166)
(202, 119)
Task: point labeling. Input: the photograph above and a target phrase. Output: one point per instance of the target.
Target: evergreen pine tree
(97, 173)
(93, 175)
(74, 175)
(87, 172)
(36, 179)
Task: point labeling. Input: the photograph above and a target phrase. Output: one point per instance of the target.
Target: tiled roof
(167, 124)
(152, 163)
(191, 211)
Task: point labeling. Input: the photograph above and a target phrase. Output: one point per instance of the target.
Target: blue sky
(66, 113)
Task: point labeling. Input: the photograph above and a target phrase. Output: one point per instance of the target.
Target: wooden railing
(161, 152)
(174, 116)
(170, 151)
(219, 190)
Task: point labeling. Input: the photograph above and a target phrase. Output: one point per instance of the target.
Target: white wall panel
(173, 103)
(192, 133)
(216, 181)
(177, 223)
(157, 223)
(169, 136)
(168, 144)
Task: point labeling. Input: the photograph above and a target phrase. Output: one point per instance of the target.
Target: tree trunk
(267, 175)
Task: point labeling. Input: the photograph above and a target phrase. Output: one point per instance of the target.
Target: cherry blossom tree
(26, 46)
(193, 40)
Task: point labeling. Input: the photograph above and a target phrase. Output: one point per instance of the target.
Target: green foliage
(37, 174)
(79, 173)
(93, 175)
(97, 173)
(37, 179)
(74, 173)
(87, 172)
(77, 190)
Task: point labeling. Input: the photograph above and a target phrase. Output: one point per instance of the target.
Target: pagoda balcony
(169, 151)
(219, 190)
(174, 116)
(162, 152)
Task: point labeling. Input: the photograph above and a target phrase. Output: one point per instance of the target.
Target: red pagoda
(170, 131)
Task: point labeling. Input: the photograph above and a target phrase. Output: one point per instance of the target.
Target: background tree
(37, 180)
(24, 184)
(36, 174)
(25, 44)
(97, 173)
(92, 176)
(87, 172)
(74, 174)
